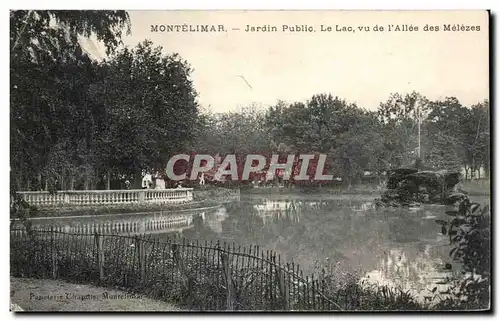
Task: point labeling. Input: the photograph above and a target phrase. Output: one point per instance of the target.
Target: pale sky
(361, 67)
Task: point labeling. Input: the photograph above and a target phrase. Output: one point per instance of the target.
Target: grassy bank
(337, 191)
(471, 187)
(324, 196)
(476, 187)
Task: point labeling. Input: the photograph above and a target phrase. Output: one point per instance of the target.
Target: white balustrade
(108, 197)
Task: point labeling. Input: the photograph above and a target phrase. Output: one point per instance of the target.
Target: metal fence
(194, 275)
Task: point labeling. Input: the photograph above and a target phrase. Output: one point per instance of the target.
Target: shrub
(469, 232)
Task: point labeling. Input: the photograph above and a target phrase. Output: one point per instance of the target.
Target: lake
(399, 247)
(346, 236)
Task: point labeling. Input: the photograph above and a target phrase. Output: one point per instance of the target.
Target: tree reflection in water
(385, 245)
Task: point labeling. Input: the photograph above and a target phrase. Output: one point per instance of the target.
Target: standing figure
(147, 181)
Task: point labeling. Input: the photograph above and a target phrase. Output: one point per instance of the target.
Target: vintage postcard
(250, 161)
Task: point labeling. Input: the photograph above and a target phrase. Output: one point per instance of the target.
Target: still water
(401, 248)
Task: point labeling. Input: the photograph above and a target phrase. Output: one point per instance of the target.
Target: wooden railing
(108, 197)
(192, 275)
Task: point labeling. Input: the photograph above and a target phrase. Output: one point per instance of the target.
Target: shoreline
(358, 193)
(102, 211)
(122, 214)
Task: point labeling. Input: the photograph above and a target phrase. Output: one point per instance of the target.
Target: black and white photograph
(250, 161)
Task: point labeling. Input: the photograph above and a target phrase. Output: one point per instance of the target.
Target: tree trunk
(62, 182)
(486, 170)
(72, 183)
(18, 182)
(138, 178)
(108, 179)
(39, 179)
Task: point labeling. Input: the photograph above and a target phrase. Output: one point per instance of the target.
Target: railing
(192, 275)
(108, 197)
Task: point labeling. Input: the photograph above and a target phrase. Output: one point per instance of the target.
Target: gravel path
(53, 295)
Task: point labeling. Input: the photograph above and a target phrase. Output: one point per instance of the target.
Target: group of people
(148, 183)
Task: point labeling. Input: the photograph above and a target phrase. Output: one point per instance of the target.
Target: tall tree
(399, 116)
(49, 74)
(150, 109)
(459, 135)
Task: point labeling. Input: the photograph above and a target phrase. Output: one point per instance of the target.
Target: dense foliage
(76, 122)
(469, 232)
(356, 140)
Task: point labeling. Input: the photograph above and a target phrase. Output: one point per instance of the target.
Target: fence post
(142, 257)
(53, 253)
(283, 288)
(100, 254)
(187, 280)
(226, 266)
